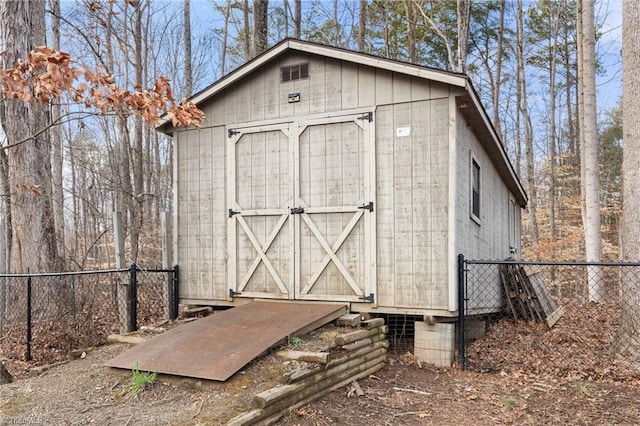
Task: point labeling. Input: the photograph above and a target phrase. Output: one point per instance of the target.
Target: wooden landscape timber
(373, 323)
(331, 370)
(302, 373)
(130, 339)
(359, 335)
(194, 312)
(319, 357)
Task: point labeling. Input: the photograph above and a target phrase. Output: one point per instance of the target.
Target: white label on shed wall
(402, 132)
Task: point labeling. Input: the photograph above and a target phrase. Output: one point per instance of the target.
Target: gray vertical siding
(412, 182)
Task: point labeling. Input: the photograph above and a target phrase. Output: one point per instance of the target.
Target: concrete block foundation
(435, 343)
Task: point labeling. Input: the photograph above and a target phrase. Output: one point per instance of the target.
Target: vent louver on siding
(294, 72)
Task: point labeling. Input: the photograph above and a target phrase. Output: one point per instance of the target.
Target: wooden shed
(329, 175)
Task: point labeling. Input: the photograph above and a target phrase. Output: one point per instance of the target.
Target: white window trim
(476, 218)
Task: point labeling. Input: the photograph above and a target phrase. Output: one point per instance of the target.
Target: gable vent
(294, 72)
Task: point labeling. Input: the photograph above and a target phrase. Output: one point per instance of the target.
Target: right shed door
(335, 217)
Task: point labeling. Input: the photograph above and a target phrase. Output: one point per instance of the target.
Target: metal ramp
(219, 345)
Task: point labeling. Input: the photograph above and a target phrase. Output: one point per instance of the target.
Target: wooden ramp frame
(218, 346)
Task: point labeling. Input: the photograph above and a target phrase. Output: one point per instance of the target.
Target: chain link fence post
(175, 299)
(133, 297)
(461, 311)
(28, 337)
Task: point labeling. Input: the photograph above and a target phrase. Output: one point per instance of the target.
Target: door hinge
(231, 133)
(232, 212)
(370, 298)
(367, 116)
(233, 293)
(367, 206)
(297, 210)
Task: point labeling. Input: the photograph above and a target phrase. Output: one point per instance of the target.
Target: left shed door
(259, 183)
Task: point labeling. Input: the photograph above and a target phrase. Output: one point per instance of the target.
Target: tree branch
(84, 36)
(62, 120)
(439, 33)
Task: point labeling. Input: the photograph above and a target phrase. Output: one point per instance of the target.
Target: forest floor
(405, 392)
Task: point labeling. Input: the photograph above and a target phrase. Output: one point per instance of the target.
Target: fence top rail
(94, 272)
(547, 263)
(155, 270)
(58, 274)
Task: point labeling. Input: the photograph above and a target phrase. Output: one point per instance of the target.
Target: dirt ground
(84, 391)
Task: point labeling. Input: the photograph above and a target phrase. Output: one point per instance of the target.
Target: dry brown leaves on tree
(47, 74)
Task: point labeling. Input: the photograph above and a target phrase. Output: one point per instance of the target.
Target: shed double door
(301, 209)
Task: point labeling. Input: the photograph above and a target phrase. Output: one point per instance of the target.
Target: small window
(475, 190)
(294, 72)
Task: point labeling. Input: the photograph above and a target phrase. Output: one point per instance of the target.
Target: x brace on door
(331, 251)
(262, 253)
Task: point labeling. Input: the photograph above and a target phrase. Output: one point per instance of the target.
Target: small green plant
(140, 380)
(585, 389)
(294, 342)
(509, 401)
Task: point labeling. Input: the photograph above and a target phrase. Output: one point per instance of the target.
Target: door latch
(370, 298)
(367, 116)
(367, 206)
(297, 210)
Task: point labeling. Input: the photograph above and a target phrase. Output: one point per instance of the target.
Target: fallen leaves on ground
(585, 344)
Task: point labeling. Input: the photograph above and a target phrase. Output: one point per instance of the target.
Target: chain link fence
(574, 319)
(43, 317)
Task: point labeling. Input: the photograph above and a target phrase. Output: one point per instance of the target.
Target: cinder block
(435, 343)
(349, 320)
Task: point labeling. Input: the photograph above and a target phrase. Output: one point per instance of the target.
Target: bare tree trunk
(260, 19)
(528, 128)
(411, 29)
(297, 18)
(225, 39)
(337, 40)
(138, 160)
(591, 183)
(630, 226)
(498, 83)
(579, 99)
(362, 25)
(452, 64)
(518, 124)
(463, 9)
(56, 144)
(5, 202)
(569, 84)
(188, 74)
(286, 10)
(34, 234)
(552, 126)
(75, 200)
(246, 39)
(630, 221)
